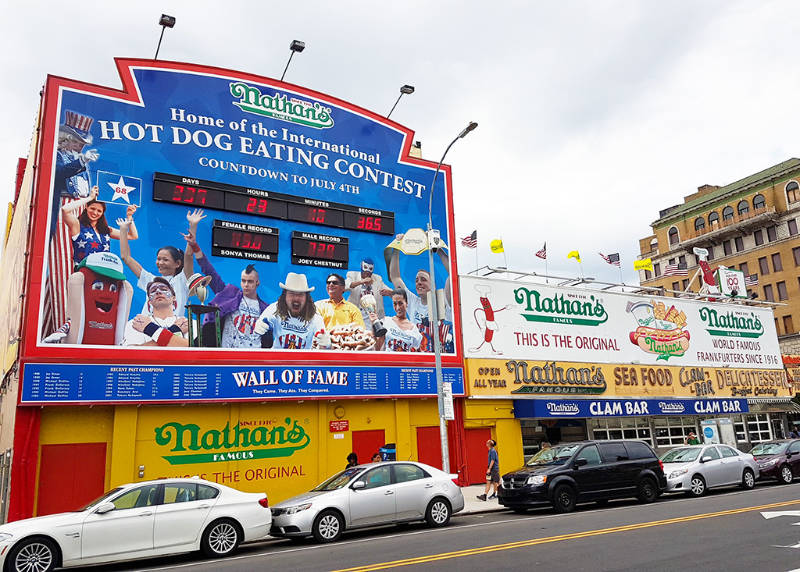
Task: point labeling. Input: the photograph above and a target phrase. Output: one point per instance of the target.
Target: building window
(782, 295)
(743, 268)
(758, 428)
(654, 245)
(739, 242)
(682, 260)
(762, 265)
(792, 224)
(710, 252)
(768, 295)
(676, 286)
(685, 284)
(759, 236)
(699, 223)
(777, 265)
(673, 430)
(759, 202)
(657, 266)
(792, 194)
(788, 327)
(726, 247)
(713, 218)
(772, 233)
(673, 236)
(743, 207)
(727, 213)
(796, 254)
(648, 275)
(672, 261)
(621, 428)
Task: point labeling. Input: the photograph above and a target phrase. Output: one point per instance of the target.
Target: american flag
(543, 252)
(751, 280)
(612, 258)
(676, 270)
(470, 241)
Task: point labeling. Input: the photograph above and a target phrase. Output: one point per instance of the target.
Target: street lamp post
(405, 90)
(433, 238)
(165, 22)
(295, 46)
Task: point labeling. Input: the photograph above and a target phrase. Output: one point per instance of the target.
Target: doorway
(70, 476)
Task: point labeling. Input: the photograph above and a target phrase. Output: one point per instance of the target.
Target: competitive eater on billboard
(267, 188)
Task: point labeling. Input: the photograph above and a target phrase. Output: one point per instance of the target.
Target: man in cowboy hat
(162, 327)
(293, 318)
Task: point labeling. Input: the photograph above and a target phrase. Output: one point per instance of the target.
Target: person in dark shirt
(492, 471)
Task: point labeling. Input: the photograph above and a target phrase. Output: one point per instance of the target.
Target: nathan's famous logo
(235, 443)
(733, 323)
(550, 378)
(660, 331)
(572, 308)
(279, 106)
(563, 408)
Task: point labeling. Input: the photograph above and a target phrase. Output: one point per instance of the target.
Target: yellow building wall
(295, 449)
(498, 414)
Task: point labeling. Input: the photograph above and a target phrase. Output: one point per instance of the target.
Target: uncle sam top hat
(78, 126)
(105, 264)
(296, 283)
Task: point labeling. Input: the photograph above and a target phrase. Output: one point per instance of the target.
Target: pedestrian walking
(492, 471)
(352, 460)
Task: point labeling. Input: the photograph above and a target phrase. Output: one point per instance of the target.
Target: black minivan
(586, 471)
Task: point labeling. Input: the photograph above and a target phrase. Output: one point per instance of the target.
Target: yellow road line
(559, 538)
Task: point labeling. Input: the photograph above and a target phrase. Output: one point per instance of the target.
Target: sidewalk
(473, 505)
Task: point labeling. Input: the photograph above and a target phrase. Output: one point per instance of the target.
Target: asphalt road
(723, 530)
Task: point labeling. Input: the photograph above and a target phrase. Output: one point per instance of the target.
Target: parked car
(137, 520)
(369, 495)
(573, 473)
(694, 469)
(778, 459)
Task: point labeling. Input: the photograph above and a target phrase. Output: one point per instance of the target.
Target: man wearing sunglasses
(336, 311)
(162, 327)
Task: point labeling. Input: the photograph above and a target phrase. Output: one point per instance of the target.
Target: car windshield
(339, 480)
(99, 499)
(681, 455)
(769, 449)
(557, 455)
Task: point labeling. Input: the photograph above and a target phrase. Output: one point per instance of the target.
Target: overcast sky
(592, 115)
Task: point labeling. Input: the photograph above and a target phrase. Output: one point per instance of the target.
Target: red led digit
(329, 250)
(256, 243)
(201, 195)
(377, 225)
(251, 204)
(178, 194)
(189, 198)
(236, 238)
(316, 215)
(262, 206)
(360, 224)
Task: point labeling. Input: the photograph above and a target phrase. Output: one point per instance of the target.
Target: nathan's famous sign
(536, 322)
(515, 378)
(269, 203)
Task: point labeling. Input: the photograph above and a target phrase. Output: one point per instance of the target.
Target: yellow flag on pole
(496, 245)
(643, 264)
(574, 254)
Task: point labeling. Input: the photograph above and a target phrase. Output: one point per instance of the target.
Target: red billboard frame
(32, 350)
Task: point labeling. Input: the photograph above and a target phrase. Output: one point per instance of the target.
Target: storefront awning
(596, 408)
(773, 406)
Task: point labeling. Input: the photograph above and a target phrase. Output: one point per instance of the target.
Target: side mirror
(706, 459)
(580, 462)
(358, 485)
(105, 507)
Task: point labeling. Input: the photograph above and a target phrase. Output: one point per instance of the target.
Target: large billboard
(516, 320)
(287, 220)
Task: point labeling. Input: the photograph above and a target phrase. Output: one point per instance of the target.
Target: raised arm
(217, 283)
(193, 217)
(125, 249)
(394, 268)
(133, 233)
(69, 209)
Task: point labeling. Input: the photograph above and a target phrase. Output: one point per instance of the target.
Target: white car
(369, 495)
(138, 520)
(694, 469)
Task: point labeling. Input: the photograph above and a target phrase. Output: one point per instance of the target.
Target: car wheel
(328, 526)
(697, 486)
(564, 499)
(221, 538)
(33, 555)
(748, 479)
(648, 491)
(438, 512)
(786, 475)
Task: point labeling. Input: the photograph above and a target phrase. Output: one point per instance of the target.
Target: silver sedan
(369, 495)
(694, 469)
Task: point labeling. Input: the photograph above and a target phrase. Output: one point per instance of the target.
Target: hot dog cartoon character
(98, 300)
(485, 318)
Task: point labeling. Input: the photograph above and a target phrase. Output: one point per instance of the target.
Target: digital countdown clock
(248, 241)
(188, 191)
(322, 250)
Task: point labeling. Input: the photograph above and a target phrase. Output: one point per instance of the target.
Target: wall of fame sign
(201, 209)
